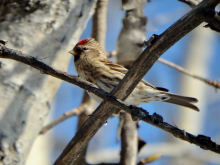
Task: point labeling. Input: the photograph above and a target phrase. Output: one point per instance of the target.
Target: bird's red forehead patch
(82, 42)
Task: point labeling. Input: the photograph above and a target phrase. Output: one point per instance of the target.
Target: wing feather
(121, 69)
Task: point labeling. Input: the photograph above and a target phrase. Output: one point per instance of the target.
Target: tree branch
(213, 22)
(215, 84)
(136, 112)
(66, 115)
(125, 87)
(138, 70)
(90, 104)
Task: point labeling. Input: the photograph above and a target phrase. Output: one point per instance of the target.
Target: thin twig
(213, 83)
(66, 115)
(179, 68)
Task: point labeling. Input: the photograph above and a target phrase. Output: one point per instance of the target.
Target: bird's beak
(72, 52)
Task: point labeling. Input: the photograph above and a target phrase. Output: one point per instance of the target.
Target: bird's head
(86, 48)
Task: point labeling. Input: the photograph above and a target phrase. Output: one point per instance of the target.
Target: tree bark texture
(46, 29)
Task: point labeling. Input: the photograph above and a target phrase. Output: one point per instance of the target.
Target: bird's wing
(116, 67)
(123, 70)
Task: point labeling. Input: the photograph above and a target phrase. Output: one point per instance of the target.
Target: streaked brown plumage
(92, 65)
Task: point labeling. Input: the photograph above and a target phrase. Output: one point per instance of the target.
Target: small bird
(92, 65)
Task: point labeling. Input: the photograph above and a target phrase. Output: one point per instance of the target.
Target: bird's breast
(84, 72)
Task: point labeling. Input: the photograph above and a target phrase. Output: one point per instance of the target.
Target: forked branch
(136, 112)
(141, 66)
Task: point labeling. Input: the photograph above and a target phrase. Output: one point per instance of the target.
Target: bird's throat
(76, 58)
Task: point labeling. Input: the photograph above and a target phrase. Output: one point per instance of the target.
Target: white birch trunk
(47, 33)
(199, 54)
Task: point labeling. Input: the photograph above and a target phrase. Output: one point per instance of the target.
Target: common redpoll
(92, 65)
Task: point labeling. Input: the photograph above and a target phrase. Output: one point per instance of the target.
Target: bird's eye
(85, 48)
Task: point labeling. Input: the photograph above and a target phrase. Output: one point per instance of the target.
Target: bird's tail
(183, 101)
